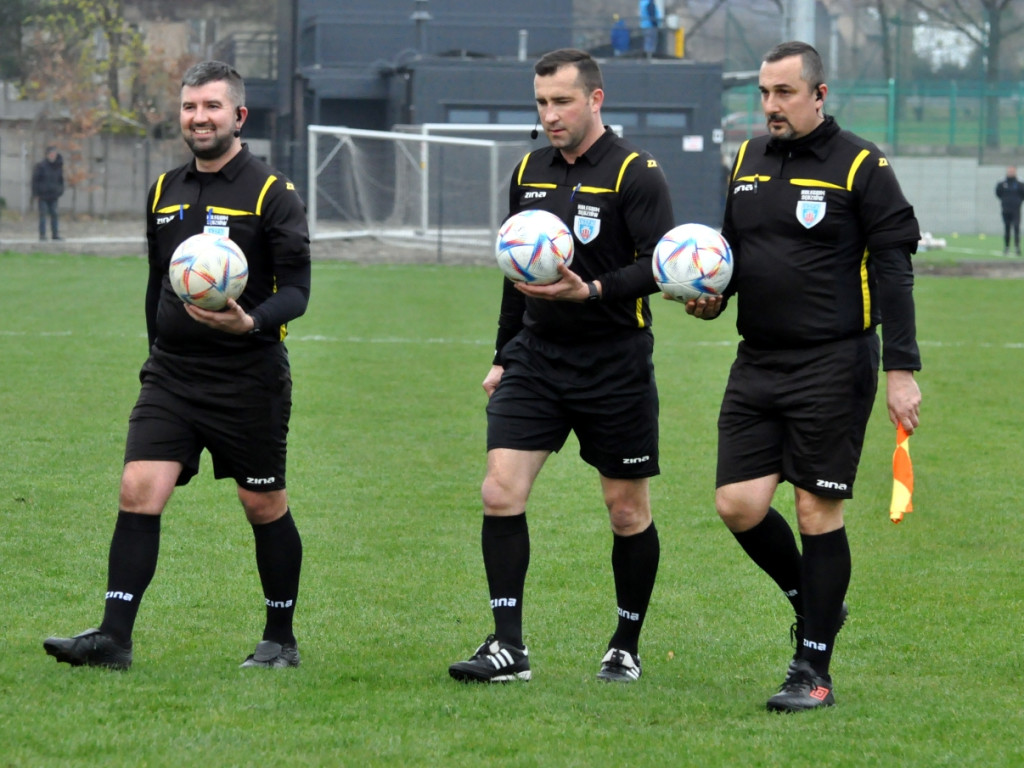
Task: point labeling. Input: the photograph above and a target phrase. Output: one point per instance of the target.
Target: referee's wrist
(593, 291)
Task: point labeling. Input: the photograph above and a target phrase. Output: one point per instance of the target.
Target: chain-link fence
(957, 118)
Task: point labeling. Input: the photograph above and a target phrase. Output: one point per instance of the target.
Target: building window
(469, 116)
(668, 119)
(516, 116)
(620, 117)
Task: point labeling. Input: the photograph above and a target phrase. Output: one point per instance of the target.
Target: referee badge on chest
(810, 209)
(586, 228)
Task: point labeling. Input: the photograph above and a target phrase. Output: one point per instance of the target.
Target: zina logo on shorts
(260, 480)
(637, 460)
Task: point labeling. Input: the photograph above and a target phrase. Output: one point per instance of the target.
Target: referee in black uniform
(822, 237)
(576, 356)
(214, 380)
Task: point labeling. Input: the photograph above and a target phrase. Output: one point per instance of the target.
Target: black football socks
(772, 546)
(635, 567)
(279, 562)
(130, 567)
(826, 576)
(505, 542)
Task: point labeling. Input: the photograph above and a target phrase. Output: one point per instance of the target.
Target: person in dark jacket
(47, 187)
(822, 238)
(1010, 192)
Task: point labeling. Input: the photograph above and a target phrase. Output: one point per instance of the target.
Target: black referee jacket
(616, 201)
(822, 236)
(258, 209)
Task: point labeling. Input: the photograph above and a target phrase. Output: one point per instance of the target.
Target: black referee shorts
(236, 407)
(603, 391)
(801, 413)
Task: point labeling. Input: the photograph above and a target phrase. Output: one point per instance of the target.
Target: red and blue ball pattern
(206, 270)
(692, 261)
(531, 244)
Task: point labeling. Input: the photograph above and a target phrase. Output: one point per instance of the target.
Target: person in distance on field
(822, 238)
(576, 355)
(214, 380)
(1010, 192)
(47, 188)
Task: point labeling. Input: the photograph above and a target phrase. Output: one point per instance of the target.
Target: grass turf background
(386, 456)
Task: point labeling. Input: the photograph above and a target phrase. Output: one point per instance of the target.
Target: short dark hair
(216, 71)
(589, 76)
(812, 70)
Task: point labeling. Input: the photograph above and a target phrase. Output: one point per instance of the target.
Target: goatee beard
(211, 152)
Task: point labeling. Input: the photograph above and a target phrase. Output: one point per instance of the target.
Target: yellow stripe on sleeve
(739, 158)
(263, 193)
(522, 168)
(864, 289)
(159, 190)
(622, 170)
(853, 168)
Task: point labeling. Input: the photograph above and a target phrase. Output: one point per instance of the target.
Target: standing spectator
(576, 356)
(620, 36)
(822, 237)
(47, 187)
(218, 381)
(1010, 192)
(650, 22)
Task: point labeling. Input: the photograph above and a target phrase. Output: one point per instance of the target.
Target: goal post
(406, 185)
(425, 185)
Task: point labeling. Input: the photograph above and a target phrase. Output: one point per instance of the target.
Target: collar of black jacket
(814, 142)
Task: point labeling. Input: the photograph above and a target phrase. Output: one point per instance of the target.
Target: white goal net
(410, 186)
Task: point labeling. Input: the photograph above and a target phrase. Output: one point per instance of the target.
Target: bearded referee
(218, 381)
(576, 356)
(823, 238)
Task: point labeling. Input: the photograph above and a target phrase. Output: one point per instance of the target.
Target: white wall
(121, 170)
(952, 194)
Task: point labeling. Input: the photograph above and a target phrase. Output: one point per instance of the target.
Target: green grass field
(386, 457)
(966, 248)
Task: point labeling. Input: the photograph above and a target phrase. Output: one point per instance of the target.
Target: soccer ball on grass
(692, 261)
(531, 244)
(207, 270)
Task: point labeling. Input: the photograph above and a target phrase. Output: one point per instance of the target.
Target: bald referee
(822, 237)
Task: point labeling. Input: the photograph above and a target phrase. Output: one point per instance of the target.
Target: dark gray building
(374, 64)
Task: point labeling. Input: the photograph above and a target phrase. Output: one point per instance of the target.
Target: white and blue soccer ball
(207, 270)
(531, 244)
(692, 261)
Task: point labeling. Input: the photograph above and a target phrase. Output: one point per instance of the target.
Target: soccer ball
(207, 270)
(531, 244)
(692, 261)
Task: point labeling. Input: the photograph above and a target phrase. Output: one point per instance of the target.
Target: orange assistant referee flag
(902, 477)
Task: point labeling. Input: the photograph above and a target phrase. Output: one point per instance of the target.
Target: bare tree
(12, 16)
(986, 23)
